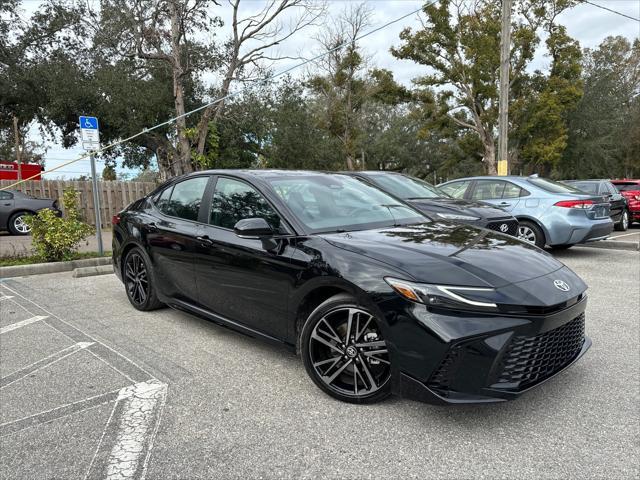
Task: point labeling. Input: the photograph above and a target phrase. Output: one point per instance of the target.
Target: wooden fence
(114, 196)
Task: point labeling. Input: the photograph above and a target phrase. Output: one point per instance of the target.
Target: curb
(613, 245)
(53, 267)
(92, 271)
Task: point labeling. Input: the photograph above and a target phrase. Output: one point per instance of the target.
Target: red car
(631, 191)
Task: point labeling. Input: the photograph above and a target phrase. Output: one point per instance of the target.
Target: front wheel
(623, 224)
(531, 233)
(344, 351)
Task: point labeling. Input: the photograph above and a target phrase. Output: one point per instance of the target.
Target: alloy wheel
(136, 278)
(625, 220)
(348, 353)
(526, 234)
(20, 225)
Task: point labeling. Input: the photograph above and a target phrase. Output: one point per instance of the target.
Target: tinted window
(234, 200)
(627, 187)
(185, 199)
(587, 187)
(5, 195)
(337, 202)
(612, 190)
(455, 189)
(162, 201)
(551, 186)
(406, 187)
(488, 190)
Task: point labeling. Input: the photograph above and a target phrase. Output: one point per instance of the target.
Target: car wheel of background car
(138, 282)
(344, 352)
(531, 233)
(623, 224)
(17, 225)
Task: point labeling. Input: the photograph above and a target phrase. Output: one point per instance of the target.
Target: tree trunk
(490, 157)
(181, 164)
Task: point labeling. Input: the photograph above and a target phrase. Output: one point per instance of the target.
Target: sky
(586, 23)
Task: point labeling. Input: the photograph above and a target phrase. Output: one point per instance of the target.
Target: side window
(456, 189)
(234, 200)
(612, 189)
(511, 190)
(488, 190)
(162, 201)
(185, 198)
(603, 190)
(6, 196)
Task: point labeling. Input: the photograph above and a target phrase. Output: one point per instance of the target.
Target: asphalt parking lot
(91, 388)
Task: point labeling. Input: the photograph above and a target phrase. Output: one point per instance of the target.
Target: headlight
(455, 216)
(446, 296)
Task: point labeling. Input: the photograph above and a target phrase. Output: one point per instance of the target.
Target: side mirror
(253, 228)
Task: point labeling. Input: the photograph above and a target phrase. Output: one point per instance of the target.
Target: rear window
(553, 187)
(589, 187)
(627, 187)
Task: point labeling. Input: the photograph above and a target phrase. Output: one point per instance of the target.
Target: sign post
(90, 135)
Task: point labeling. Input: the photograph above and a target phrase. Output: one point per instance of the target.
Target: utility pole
(96, 204)
(503, 116)
(16, 134)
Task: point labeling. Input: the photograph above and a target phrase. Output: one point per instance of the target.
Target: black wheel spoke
(372, 381)
(327, 343)
(136, 279)
(338, 371)
(373, 344)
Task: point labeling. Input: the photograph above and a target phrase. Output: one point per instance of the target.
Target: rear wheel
(138, 282)
(17, 225)
(531, 233)
(344, 352)
(623, 224)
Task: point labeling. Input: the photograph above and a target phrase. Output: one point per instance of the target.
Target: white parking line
(624, 235)
(5, 297)
(21, 324)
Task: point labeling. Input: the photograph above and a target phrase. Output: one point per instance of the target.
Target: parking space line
(40, 364)
(23, 323)
(58, 412)
(5, 297)
(624, 235)
(127, 439)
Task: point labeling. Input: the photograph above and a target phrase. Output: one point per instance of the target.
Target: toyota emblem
(504, 228)
(561, 285)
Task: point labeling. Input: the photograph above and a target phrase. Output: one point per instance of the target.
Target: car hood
(463, 207)
(450, 254)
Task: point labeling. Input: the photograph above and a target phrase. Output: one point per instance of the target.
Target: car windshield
(338, 203)
(589, 187)
(553, 187)
(627, 187)
(407, 187)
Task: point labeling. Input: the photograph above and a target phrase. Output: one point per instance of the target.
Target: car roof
(587, 180)
(267, 173)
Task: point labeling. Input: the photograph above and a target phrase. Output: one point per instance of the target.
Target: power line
(610, 10)
(230, 95)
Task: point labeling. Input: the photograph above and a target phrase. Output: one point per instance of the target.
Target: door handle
(205, 239)
(7, 204)
(505, 203)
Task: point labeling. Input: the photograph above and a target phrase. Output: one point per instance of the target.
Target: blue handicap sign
(89, 123)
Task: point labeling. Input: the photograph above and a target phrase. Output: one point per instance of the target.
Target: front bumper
(453, 358)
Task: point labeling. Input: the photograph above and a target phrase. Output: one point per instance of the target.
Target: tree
(604, 130)
(460, 43)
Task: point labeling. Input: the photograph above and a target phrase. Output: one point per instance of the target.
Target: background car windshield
(407, 187)
(627, 187)
(589, 187)
(325, 203)
(553, 187)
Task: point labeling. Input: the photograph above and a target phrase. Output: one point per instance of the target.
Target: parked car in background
(618, 210)
(15, 205)
(376, 297)
(437, 204)
(549, 213)
(631, 191)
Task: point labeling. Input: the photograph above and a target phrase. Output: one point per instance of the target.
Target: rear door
(243, 279)
(6, 207)
(501, 193)
(172, 237)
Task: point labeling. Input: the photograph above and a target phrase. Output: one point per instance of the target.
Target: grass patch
(30, 259)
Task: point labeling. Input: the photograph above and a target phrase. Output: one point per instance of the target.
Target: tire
(346, 368)
(138, 281)
(531, 233)
(623, 224)
(16, 224)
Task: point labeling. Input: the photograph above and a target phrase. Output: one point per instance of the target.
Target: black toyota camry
(376, 297)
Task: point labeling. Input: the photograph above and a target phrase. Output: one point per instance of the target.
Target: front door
(6, 207)
(242, 279)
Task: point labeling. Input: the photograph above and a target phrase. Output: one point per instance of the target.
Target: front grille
(510, 229)
(529, 360)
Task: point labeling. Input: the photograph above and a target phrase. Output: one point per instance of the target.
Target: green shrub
(54, 238)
